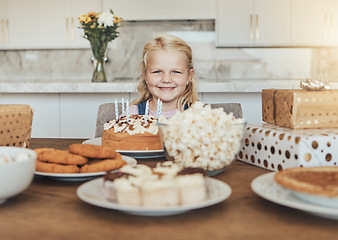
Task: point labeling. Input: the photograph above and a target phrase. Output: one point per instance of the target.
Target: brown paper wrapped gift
(15, 125)
(300, 109)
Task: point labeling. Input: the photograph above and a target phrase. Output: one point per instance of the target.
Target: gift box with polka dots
(15, 125)
(275, 148)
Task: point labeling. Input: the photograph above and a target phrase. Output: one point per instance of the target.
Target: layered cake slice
(168, 184)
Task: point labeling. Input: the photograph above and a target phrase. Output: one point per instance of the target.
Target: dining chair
(106, 112)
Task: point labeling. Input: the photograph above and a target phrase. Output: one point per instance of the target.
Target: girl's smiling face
(167, 75)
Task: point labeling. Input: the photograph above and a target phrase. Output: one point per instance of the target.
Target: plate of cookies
(138, 154)
(79, 163)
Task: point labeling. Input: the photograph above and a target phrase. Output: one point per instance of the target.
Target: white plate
(90, 192)
(266, 187)
(135, 154)
(81, 176)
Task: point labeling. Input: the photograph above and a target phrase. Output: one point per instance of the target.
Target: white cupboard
(253, 23)
(50, 24)
(46, 116)
(3, 24)
(314, 22)
(78, 112)
(40, 24)
(58, 115)
(133, 10)
(59, 24)
(18, 24)
(73, 115)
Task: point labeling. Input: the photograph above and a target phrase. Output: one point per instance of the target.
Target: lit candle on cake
(127, 110)
(116, 111)
(122, 107)
(146, 113)
(159, 108)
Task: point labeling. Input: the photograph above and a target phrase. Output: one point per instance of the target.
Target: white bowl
(16, 176)
(198, 150)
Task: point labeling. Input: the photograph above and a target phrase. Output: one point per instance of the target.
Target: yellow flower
(92, 15)
(117, 19)
(88, 19)
(83, 18)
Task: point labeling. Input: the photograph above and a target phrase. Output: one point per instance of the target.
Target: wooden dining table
(51, 209)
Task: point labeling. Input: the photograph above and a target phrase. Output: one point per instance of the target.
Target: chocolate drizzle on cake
(191, 170)
(136, 124)
(111, 176)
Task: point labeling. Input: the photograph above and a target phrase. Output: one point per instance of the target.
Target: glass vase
(99, 74)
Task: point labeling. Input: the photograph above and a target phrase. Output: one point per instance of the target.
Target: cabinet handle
(257, 27)
(2, 31)
(325, 26)
(67, 29)
(331, 25)
(72, 30)
(251, 31)
(7, 31)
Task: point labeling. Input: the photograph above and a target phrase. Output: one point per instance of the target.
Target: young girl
(168, 75)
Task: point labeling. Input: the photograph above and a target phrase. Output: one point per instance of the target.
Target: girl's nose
(166, 78)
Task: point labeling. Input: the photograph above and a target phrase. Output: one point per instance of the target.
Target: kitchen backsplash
(211, 63)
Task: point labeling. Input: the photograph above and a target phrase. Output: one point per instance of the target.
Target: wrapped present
(300, 109)
(15, 125)
(275, 148)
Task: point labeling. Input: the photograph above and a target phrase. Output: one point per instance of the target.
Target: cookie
(103, 165)
(56, 168)
(60, 156)
(92, 151)
(40, 150)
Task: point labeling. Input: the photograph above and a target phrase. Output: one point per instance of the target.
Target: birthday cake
(136, 132)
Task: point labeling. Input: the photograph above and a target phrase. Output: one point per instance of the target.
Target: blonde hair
(168, 43)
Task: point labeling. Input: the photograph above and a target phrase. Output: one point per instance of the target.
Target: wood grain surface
(50, 209)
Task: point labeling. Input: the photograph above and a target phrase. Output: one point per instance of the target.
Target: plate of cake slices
(267, 187)
(91, 192)
(138, 154)
(82, 176)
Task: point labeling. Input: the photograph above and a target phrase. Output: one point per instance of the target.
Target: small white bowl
(16, 176)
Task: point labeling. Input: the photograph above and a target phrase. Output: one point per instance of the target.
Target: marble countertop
(130, 86)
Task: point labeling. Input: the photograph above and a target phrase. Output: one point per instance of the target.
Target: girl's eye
(157, 71)
(177, 72)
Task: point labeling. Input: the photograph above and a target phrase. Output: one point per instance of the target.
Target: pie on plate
(318, 185)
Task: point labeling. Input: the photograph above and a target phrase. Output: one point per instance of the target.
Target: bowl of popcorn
(202, 137)
(17, 166)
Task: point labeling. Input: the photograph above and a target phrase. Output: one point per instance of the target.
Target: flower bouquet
(100, 29)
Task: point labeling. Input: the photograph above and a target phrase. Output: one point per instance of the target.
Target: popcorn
(202, 137)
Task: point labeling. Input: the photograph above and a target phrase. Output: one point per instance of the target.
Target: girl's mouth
(166, 88)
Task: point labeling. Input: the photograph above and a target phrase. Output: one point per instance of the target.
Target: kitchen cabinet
(133, 10)
(314, 22)
(59, 24)
(253, 23)
(18, 24)
(46, 116)
(58, 115)
(73, 115)
(78, 112)
(3, 23)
